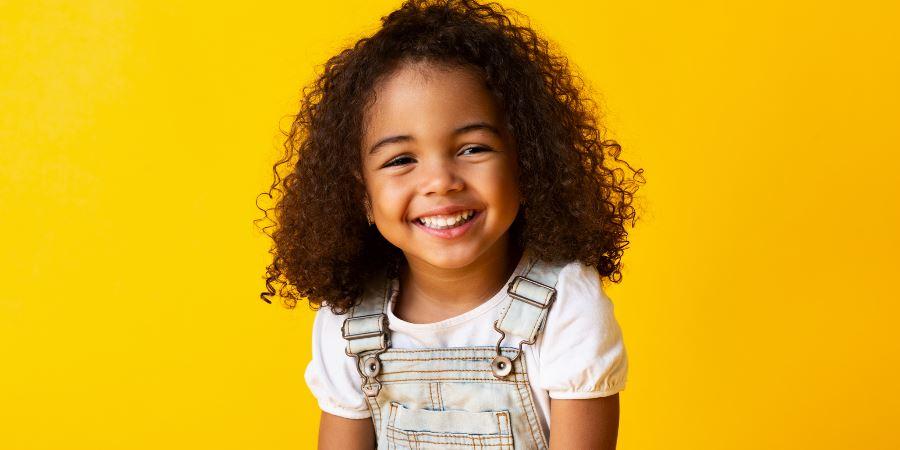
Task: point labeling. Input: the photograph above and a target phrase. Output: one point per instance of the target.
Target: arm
(584, 423)
(339, 433)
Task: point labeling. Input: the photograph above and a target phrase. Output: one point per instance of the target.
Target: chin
(447, 259)
(451, 263)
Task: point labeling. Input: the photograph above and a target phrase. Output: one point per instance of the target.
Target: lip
(451, 233)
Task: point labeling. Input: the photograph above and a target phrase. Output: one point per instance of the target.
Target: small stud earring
(369, 217)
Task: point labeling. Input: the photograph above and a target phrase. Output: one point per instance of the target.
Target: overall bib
(475, 397)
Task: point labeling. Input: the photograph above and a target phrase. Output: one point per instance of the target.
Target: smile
(444, 222)
(449, 231)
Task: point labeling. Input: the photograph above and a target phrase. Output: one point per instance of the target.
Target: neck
(429, 293)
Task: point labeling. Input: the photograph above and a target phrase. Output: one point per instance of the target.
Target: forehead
(421, 98)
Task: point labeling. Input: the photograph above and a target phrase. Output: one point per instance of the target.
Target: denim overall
(457, 397)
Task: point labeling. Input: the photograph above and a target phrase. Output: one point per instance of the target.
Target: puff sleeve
(331, 375)
(582, 352)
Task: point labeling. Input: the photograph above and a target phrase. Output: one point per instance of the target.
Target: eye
(394, 161)
(477, 147)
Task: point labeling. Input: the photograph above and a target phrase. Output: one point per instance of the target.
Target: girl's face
(435, 138)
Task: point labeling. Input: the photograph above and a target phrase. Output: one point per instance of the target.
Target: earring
(369, 217)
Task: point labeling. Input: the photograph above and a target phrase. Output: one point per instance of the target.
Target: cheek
(505, 186)
(392, 200)
(501, 194)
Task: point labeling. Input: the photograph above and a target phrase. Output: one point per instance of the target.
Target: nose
(439, 177)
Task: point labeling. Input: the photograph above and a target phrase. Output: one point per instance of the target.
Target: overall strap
(531, 296)
(367, 334)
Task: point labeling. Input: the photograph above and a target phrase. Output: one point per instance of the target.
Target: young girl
(452, 206)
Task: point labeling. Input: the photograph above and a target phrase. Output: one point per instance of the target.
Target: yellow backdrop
(759, 301)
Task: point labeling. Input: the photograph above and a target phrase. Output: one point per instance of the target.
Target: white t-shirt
(579, 354)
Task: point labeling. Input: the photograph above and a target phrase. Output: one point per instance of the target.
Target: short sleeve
(331, 375)
(581, 350)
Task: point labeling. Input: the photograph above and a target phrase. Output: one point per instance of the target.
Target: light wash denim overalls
(457, 397)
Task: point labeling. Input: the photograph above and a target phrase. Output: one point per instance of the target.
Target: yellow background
(759, 301)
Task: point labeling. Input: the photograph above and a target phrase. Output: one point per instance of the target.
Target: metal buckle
(520, 278)
(370, 367)
(501, 365)
(383, 323)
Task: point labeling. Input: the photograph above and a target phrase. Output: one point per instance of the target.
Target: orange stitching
(450, 435)
(476, 348)
(473, 360)
(431, 393)
(509, 350)
(533, 410)
(488, 380)
(392, 418)
(485, 371)
(487, 376)
(503, 443)
(482, 371)
(528, 400)
(376, 412)
(464, 437)
(530, 425)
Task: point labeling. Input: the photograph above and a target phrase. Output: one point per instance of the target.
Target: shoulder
(580, 288)
(331, 374)
(581, 302)
(326, 318)
(326, 332)
(581, 349)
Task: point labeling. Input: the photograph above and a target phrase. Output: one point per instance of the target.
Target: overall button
(501, 366)
(372, 366)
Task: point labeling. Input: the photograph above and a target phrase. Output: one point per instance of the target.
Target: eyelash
(392, 162)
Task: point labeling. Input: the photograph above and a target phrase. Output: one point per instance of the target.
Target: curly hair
(577, 209)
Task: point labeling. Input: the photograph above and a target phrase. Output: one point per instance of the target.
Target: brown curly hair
(576, 209)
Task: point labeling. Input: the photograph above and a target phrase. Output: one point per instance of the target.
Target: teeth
(441, 222)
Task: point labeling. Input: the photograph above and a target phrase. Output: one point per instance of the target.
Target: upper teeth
(447, 221)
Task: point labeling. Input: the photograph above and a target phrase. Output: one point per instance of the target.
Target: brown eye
(395, 161)
(477, 148)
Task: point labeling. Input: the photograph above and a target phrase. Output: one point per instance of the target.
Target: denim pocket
(413, 428)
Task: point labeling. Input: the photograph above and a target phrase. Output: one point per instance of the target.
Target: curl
(579, 207)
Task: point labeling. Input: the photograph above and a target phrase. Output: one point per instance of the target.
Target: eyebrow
(463, 129)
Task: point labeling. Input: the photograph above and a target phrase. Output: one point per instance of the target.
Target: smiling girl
(451, 204)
